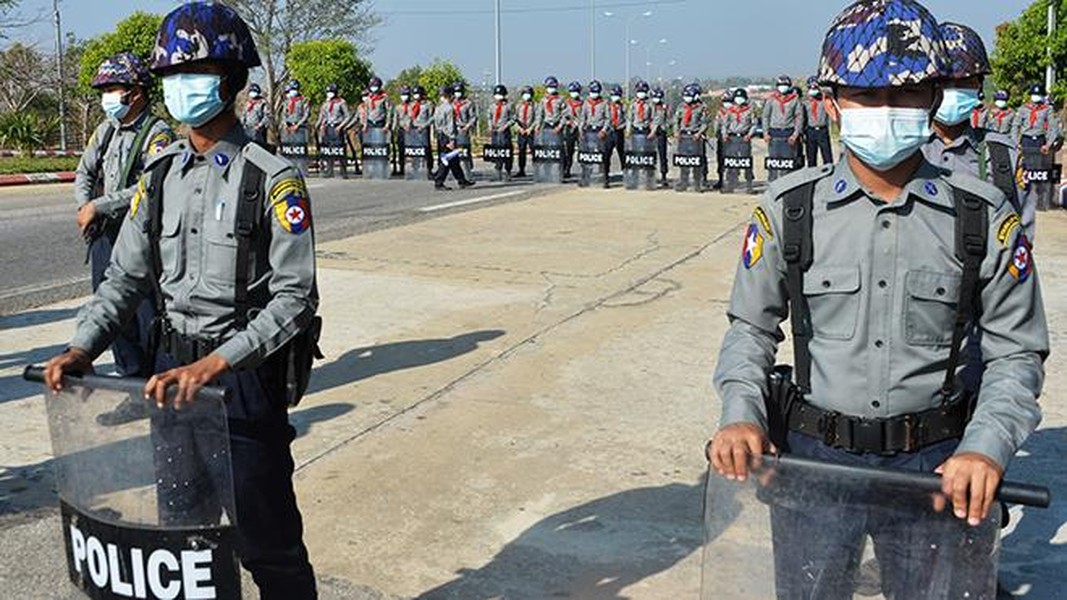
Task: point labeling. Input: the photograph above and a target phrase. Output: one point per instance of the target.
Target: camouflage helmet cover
(883, 43)
(966, 52)
(200, 31)
(123, 68)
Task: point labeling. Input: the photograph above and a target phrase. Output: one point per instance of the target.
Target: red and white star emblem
(295, 215)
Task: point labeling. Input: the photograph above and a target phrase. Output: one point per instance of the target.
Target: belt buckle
(868, 435)
(828, 427)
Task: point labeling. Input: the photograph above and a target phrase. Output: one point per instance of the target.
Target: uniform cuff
(738, 409)
(988, 444)
(110, 205)
(93, 343)
(237, 353)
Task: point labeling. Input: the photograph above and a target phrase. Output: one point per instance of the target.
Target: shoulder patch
(1022, 259)
(159, 142)
(752, 248)
(1007, 227)
(761, 216)
(172, 149)
(289, 201)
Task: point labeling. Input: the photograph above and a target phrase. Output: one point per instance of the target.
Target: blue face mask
(193, 98)
(957, 106)
(883, 137)
(113, 107)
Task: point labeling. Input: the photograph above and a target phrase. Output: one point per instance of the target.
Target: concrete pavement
(513, 405)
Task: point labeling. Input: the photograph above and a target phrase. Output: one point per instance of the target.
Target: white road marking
(448, 205)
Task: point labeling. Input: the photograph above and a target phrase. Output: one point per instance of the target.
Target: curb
(32, 178)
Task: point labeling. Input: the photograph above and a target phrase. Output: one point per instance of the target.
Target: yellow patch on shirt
(1010, 224)
(138, 196)
(159, 142)
(289, 198)
(764, 222)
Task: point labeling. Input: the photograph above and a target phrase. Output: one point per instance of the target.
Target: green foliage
(318, 63)
(1020, 56)
(26, 131)
(37, 164)
(136, 33)
(438, 74)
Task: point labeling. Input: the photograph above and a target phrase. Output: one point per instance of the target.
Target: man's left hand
(969, 480)
(189, 380)
(86, 215)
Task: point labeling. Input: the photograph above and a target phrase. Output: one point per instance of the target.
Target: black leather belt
(903, 433)
(187, 349)
(820, 127)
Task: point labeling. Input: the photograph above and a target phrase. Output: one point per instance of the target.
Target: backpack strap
(137, 149)
(972, 234)
(249, 217)
(798, 254)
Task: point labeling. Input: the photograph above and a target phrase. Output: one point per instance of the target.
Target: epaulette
(174, 149)
(780, 186)
(271, 165)
(982, 189)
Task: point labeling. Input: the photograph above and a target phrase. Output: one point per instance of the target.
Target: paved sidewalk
(514, 405)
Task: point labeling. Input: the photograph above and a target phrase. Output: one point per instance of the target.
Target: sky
(681, 38)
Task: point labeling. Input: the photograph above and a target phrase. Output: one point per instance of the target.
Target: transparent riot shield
(294, 147)
(737, 158)
(590, 157)
(332, 149)
(781, 158)
(548, 157)
(466, 161)
(691, 162)
(499, 152)
(376, 153)
(147, 507)
(417, 154)
(807, 530)
(640, 163)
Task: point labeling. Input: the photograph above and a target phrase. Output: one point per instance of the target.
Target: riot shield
(691, 162)
(416, 153)
(640, 163)
(466, 161)
(781, 158)
(498, 152)
(548, 157)
(376, 153)
(843, 531)
(147, 507)
(737, 157)
(590, 157)
(332, 148)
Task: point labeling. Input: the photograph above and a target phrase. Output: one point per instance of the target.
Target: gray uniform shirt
(740, 120)
(297, 112)
(999, 121)
(501, 117)
(1035, 120)
(640, 115)
(199, 255)
(466, 115)
(783, 111)
(525, 115)
(334, 113)
(594, 114)
(256, 116)
(377, 110)
(99, 174)
(882, 293)
(425, 117)
(963, 154)
(551, 112)
(444, 119)
(661, 117)
(402, 115)
(815, 113)
(691, 119)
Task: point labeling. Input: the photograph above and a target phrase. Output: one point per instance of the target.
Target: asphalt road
(43, 256)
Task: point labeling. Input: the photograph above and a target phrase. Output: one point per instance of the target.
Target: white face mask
(293, 93)
(594, 95)
(113, 106)
(740, 101)
(1037, 99)
(458, 95)
(526, 97)
(815, 92)
(687, 99)
(552, 90)
(575, 95)
(330, 95)
(657, 100)
(253, 95)
(885, 136)
(615, 98)
(784, 89)
(642, 95)
(405, 98)
(499, 97)
(418, 97)
(374, 89)
(728, 104)
(1001, 104)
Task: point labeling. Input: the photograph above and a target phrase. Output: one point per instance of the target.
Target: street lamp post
(628, 43)
(499, 76)
(648, 58)
(59, 75)
(1050, 71)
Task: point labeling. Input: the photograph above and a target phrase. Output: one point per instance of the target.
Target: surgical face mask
(687, 99)
(418, 97)
(113, 107)
(458, 95)
(815, 92)
(193, 98)
(740, 101)
(657, 100)
(526, 97)
(253, 95)
(784, 89)
(374, 89)
(330, 95)
(293, 93)
(499, 97)
(1037, 99)
(642, 95)
(957, 106)
(575, 95)
(615, 98)
(553, 91)
(883, 137)
(594, 95)
(728, 104)
(1002, 104)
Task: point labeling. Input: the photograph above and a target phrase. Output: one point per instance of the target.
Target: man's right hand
(74, 360)
(735, 447)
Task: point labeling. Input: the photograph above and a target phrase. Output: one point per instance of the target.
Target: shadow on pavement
(302, 420)
(13, 386)
(364, 363)
(1033, 561)
(36, 317)
(592, 551)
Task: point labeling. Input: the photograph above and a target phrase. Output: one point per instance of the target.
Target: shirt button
(876, 404)
(193, 231)
(885, 224)
(826, 283)
(882, 284)
(878, 343)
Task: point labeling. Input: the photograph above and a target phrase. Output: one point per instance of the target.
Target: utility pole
(592, 40)
(1050, 70)
(59, 75)
(499, 76)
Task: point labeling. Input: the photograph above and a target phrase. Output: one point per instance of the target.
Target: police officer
(725, 104)
(466, 120)
(661, 118)
(817, 125)
(256, 118)
(615, 138)
(525, 122)
(1038, 134)
(448, 151)
(1000, 118)
(403, 116)
(996, 125)
(333, 115)
(594, 120)
(378, 110)
(552, 110)
(178, 244)
(294, 131)
(691, 121)
(956, 144)
(574, 129)
(104, 186)
(783, 122)
(422, 121)
(640, 114)
(501, 120)
(739, 128)
(879, 281)
(444, 120)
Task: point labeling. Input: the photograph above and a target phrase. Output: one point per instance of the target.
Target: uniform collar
(136, 123)
(221, 155)
(926, 185)
(969, 137)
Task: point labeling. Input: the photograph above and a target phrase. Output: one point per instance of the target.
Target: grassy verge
(44, 164)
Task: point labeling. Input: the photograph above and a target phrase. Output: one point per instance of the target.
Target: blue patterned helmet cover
(574, 87)
(883, 43)
(123, 68)
(1002, 95)
(204, 31)
(966, 52)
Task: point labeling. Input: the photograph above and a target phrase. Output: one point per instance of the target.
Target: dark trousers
(333, 137)
(817, 550)
(269, 524)
(129, 347)
(720, 156)
(398, 157)
(615, 142)
(524, 146)
(661, 150)
(453, 166)
(817, 140)
(503, 138)
(570, 143)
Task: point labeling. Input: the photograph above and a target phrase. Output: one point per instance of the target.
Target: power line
(513, 11)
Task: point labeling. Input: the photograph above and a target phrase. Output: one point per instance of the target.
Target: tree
(277, 25)
(136, 33)
(440, 73)
(319, 63)
(21, 83)
(1020, 56)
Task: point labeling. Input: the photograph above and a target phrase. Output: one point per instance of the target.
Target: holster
(782, 394)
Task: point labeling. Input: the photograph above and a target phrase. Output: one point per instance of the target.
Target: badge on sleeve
(1022, 259)
(159, 142)
(1008, 227)
(764, 222)
(289, 198)
(752, 251)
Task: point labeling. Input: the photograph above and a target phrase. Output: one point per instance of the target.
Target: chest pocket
(171, 245)
(220, 249)
(930, 307)
(834, 301)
